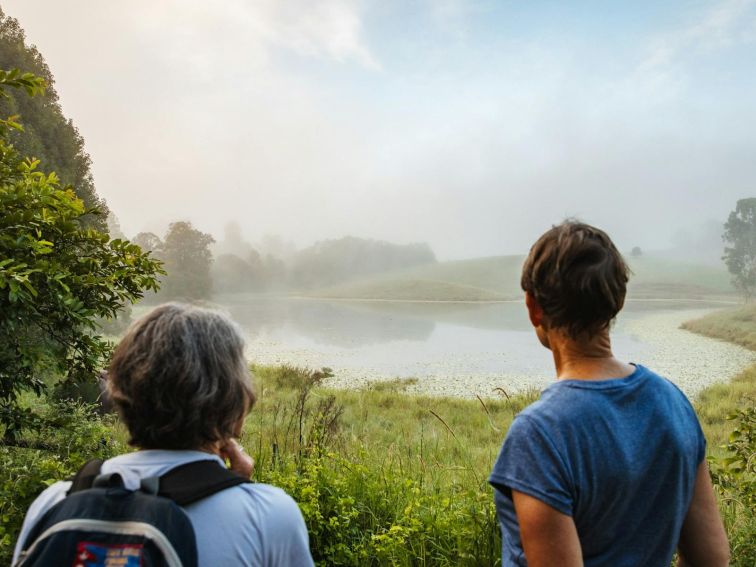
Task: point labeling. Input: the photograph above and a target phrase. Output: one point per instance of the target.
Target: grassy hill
(655, 276)
(498, 278)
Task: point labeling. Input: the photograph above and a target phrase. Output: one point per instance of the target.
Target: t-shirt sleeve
(286, 540)
(529, 462)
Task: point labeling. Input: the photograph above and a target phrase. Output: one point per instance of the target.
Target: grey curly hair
(179, 379)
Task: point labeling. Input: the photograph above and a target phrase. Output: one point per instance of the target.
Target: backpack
(101, 523)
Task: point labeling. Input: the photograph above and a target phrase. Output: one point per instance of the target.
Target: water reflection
(453, 348)
(354, 324)
(327, 323)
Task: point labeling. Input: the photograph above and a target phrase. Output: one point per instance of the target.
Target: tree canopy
(187, 256)
(47, 135)
(740, 246)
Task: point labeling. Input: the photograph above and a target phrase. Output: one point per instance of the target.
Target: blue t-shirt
(620, 456)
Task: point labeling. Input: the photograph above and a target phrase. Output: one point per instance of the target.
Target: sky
(471, 125)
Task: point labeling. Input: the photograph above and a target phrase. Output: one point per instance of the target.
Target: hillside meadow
(384, 477)
(497, 278)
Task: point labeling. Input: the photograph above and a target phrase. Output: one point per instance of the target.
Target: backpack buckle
(150, 485)
(112, 480)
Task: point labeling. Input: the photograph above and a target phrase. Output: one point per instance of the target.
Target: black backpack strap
(85, 476)
(194, 481)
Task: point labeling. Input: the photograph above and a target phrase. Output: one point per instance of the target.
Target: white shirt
(249, 524)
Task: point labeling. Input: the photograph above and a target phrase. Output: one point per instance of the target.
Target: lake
(465, 349)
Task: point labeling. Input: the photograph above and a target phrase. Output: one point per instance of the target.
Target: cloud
(328, 29)
(663, 70)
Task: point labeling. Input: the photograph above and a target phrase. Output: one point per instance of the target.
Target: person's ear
(535, 312)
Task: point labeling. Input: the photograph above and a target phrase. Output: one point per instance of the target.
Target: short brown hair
(179, 379)
(577, 276)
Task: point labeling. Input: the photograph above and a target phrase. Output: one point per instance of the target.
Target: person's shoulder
(266, 492)
(556, 404)
(280, 523)
(662, 384)
(270, 503)
(533, 420)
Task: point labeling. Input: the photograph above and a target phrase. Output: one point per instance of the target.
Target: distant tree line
(194, 272)
(333, 261)
(325, 263)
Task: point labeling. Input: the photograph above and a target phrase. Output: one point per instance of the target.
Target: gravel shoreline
(464, 367)
(691, 361)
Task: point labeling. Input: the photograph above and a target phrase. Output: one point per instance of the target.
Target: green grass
(382, 477)
(454, 432)
(656, 275)
(478, 279)
(731, 450)
(733, 325)
(498, 278)
(716, 402)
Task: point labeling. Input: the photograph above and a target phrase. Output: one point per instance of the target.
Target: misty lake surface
(465, 349)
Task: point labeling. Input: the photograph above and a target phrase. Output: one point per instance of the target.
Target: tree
(149, 242)
(187, 256)
(48, 135)
(232, 274)
(740, 246)
(114, 226)
(57, 277)
(333, 261)
(233, 242)
(636, 251)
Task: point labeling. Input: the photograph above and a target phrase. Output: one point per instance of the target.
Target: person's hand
(239, 462)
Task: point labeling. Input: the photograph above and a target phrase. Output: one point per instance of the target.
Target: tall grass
(382, 478)
(728, 416)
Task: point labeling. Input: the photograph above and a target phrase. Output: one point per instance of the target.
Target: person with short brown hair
(608, 467)
(180, 382)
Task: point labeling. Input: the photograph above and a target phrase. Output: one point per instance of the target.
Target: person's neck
(586, 358)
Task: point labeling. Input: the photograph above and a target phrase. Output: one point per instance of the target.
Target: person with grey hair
(180, 383)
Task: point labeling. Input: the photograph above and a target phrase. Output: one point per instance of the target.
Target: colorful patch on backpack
(90, 554)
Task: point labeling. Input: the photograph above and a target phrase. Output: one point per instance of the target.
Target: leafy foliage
(56, 277)
(734, 477)
(73, 434)
(740, 255)
(48, 135)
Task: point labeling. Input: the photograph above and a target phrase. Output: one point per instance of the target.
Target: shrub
(72, 434)
(734, 478)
